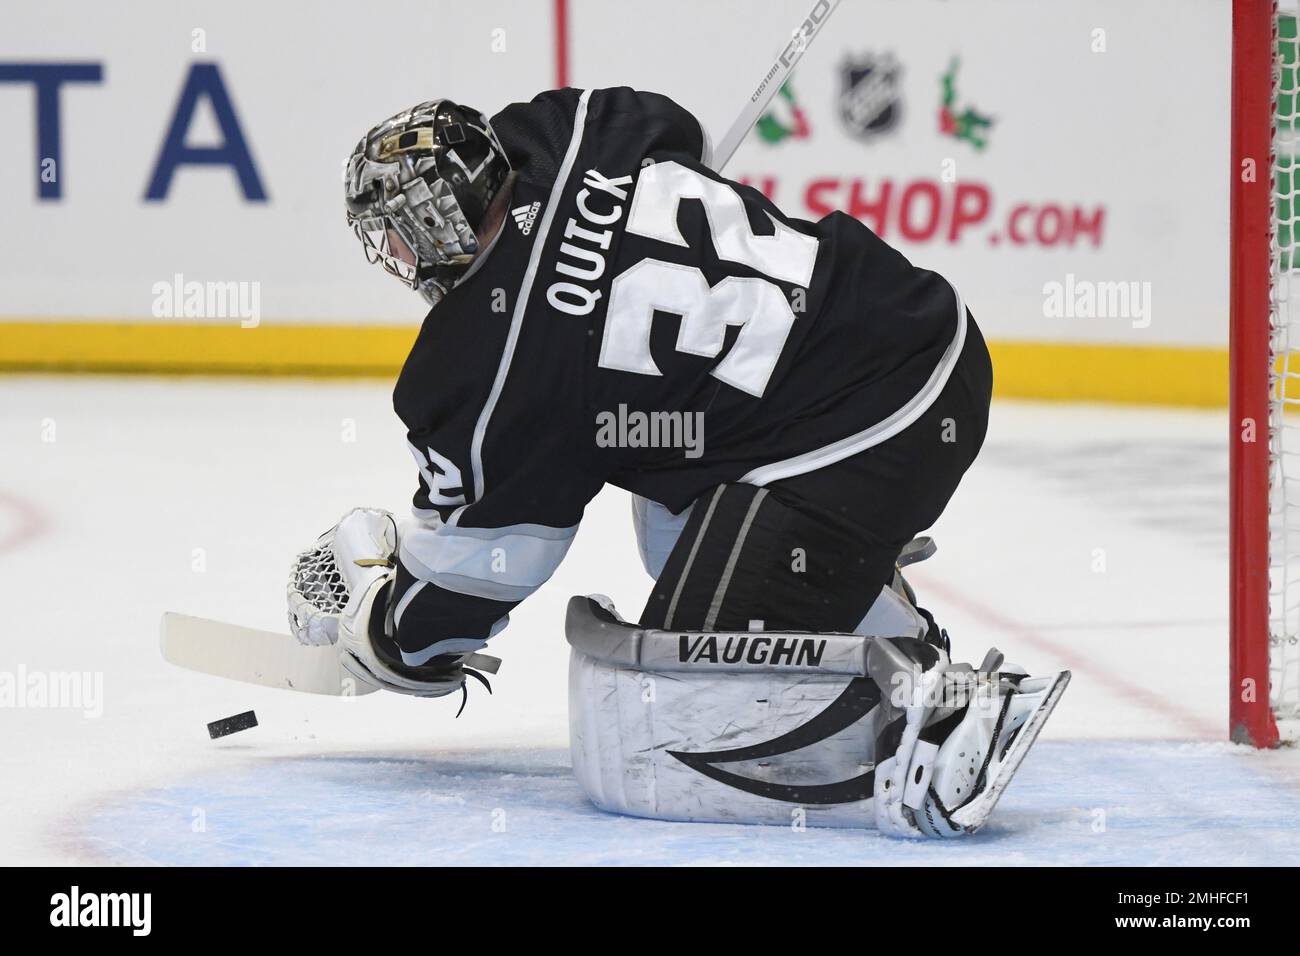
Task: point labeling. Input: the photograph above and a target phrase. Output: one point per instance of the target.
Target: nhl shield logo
(870, 101)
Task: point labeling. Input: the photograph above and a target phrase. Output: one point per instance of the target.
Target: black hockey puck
(232, 725)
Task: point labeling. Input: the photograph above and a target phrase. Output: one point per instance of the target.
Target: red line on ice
(31, 523)
(1079, 662)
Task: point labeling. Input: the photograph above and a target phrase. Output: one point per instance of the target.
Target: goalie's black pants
(811, 553)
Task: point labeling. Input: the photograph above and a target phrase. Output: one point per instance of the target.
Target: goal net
(1265, 374)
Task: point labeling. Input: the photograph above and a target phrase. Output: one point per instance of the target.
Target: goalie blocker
(786, 728)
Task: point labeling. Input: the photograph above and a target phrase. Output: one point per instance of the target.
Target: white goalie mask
(417, 189)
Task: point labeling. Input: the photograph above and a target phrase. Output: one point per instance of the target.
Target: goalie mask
(418, 187)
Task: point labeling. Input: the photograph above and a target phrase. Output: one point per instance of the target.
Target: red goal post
(1264, 484)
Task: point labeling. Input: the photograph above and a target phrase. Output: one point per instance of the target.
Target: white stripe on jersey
(501, 564)
(411, 592)
(521, 303)
(879, 432)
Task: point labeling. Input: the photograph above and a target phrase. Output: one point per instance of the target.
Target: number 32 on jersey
(757, 306)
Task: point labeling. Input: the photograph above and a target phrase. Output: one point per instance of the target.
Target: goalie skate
(989, 748)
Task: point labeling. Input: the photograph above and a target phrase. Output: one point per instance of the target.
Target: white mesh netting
(317, 578)
(1284, 531)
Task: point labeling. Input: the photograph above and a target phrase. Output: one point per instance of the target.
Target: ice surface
(1085, 802)
(1088, 538)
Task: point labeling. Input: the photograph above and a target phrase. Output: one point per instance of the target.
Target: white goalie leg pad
(748, 727)
(792, 728)
(892, 615)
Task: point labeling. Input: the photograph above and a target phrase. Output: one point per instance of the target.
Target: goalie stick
(800, 38)
(267, 658)
(252, 656)
(273, 659)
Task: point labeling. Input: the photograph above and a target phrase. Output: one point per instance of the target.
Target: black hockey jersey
(642, 321)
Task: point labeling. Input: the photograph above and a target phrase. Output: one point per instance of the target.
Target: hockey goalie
(589, 273)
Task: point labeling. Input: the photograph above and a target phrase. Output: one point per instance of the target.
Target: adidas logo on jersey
(525, 216)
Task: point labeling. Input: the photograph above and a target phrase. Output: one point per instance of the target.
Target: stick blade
(252, 656)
